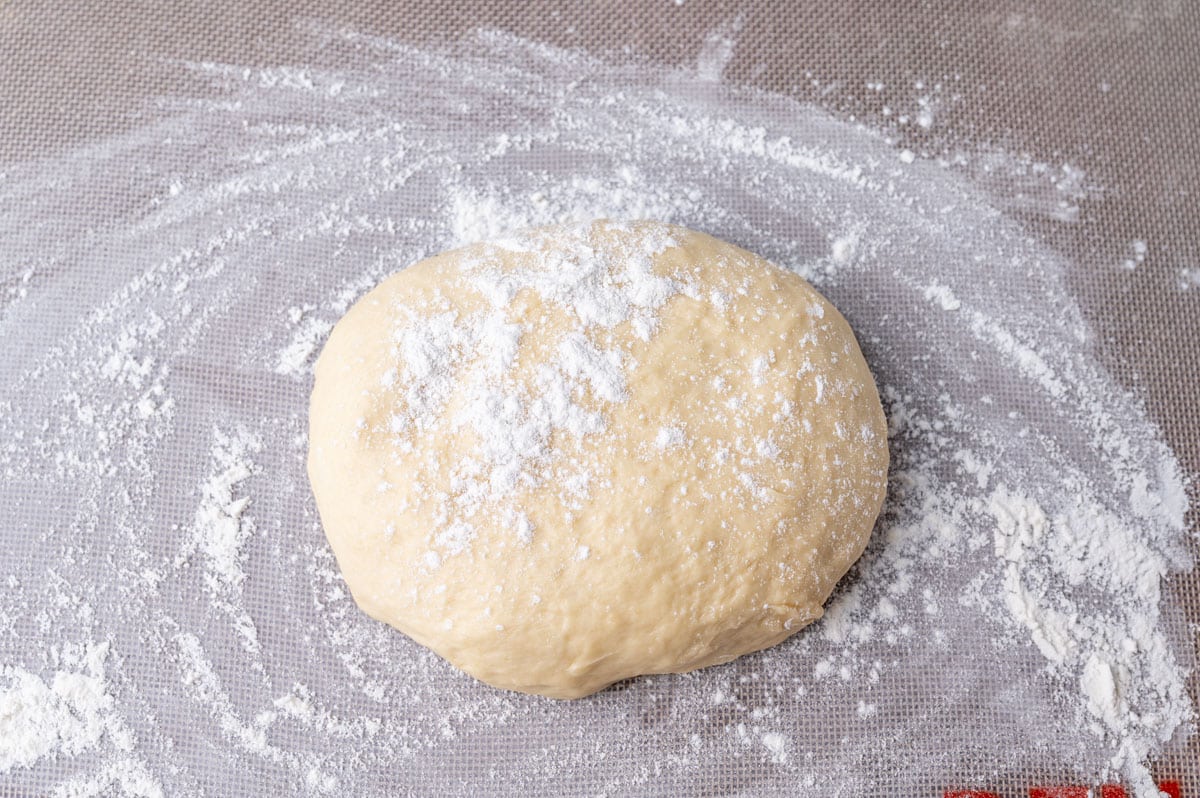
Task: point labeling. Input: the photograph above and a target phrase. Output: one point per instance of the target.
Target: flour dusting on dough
(251, 213)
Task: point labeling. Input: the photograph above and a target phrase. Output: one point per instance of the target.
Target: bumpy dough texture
(586, 453)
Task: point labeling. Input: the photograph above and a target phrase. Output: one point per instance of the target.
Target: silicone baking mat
(190, 195)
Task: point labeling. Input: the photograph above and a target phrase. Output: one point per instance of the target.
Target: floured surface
(152, 414)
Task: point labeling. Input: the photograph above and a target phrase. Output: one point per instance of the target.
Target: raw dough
(586, 453)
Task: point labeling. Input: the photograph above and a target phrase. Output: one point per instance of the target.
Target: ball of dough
(580, 454)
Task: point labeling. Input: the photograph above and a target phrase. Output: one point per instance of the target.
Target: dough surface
(585, 453)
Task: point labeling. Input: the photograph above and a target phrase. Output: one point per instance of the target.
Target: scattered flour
(717, 50)
(777, 744)
(127, 778)
(221, 527)
(942, 296)
(600, 287)
(296, 356)
(669, 437)
(1138, 250)
(1034, 514)
(1189, 279)
(71, 713)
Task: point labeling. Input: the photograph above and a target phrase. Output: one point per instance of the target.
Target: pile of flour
(174, 283)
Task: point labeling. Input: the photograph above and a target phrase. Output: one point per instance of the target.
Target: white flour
(437, 353)
(305, 343)
(1008, 617)
(68, 715)
(221, 528)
